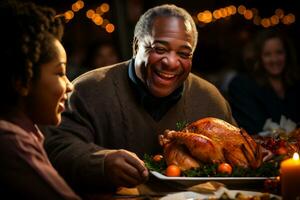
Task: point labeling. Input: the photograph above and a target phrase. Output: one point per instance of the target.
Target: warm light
(69, 14)
(110, 28)
(233, 10)
(205, 16)
(75, 7)
(248, 14)
(290, 177)
(288, 19)
(217, 14)
(229, 10)
(200, 16)
(104, 7)
(274, 20)
(90, 13)
(98, 20)
(295, 156)
(223, 12)
(291, 18)
(284, 20)
(80, 4)
(208, 16)
(241, 9)
(99, 10)
(265, 22)
(279, 12)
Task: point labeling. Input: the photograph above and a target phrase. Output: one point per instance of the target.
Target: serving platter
(231, 182)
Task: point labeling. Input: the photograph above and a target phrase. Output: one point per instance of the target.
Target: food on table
(281, 151)
(157, 158)
(207, 187)
(209, 141)
(224, 168)
(295, 134)
(178, 154)
(281, 144)
(173, 170)
(241, 196)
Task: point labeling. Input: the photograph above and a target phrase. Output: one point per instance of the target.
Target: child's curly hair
(26, 35)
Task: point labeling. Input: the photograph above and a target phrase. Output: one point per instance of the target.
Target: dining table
(155, 189)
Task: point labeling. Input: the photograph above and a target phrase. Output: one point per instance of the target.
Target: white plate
(217, 195)
(228, 181)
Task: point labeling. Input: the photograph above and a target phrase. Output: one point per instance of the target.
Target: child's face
(49, 93)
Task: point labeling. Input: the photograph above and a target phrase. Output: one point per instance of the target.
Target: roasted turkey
(210, 140)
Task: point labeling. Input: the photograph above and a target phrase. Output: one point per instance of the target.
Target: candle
(290, 178)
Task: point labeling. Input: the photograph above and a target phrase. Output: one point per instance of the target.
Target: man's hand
(124, 168)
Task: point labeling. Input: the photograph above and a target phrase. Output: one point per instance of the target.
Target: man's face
(166, 57)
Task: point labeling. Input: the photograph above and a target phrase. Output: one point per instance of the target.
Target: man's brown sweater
(104, 113)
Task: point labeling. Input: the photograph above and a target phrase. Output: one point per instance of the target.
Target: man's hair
(26, 39)
(144, 25)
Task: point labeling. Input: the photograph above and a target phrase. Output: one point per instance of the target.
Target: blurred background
(98, 33)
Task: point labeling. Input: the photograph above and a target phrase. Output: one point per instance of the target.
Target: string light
(110, 28)
(90, 13)
(274, 20)
(201, 18)
(104, 7)
(95, 15)
(69, 15)
(248, 14)
(279, 12)
(207, 16)
(241, 9)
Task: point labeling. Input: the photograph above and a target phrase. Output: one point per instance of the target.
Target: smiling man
(114, 114)
(164, 60)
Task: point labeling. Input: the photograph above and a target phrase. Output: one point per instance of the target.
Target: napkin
(285, 126)
(190, 195)
(208, 187)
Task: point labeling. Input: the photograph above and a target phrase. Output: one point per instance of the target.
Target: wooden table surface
(154, 189)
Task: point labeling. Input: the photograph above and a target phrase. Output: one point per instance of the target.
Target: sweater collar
(155, 106)
(26, 124)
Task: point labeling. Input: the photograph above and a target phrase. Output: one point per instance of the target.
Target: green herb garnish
(267, 169)
(181, 125)
(155, 166)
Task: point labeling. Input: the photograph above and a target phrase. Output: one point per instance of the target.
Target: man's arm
(86, 166)
(70, 147)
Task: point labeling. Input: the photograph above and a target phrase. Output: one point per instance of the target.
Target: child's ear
(22, 88)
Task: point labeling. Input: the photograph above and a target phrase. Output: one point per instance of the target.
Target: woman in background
(34, 88)
(272, 87)
(98, 54)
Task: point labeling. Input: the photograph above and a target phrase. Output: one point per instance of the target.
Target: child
(34, 88)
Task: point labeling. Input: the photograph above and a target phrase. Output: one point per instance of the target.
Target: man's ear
(135, 46)
(22, 88)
